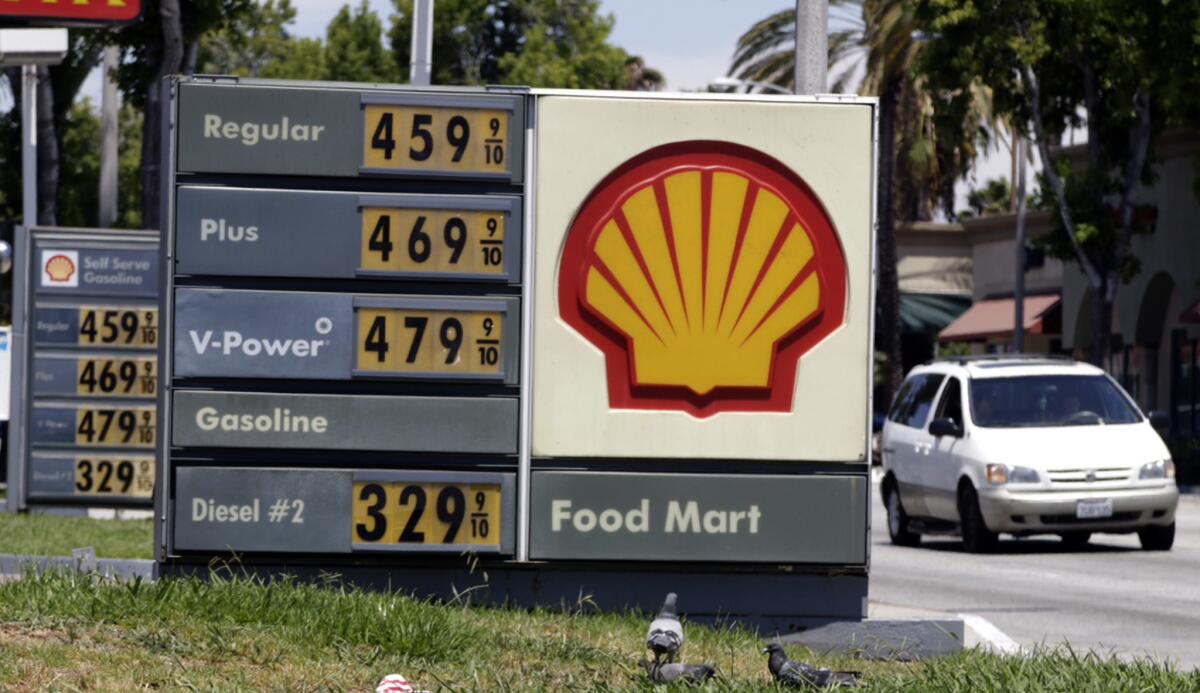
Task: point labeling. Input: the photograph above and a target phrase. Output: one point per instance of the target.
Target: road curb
(83, 561)
(884, 638)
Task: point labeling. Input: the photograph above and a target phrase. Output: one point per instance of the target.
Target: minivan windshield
(1049, 400)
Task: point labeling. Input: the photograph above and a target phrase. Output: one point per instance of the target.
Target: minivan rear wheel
(976, 536)
(1157, 537)
(897, 519)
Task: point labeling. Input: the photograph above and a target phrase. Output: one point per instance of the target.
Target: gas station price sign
(87, 374)
(432, 241)
(445, 515)
(126, 475)
(264, 232)
(424, 138)
(429, 342)
(118, 327)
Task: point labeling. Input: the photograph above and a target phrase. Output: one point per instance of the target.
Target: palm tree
(878, 48)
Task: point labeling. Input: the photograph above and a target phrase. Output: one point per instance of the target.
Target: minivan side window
(950, 406)
(917, 412)
(900, 401)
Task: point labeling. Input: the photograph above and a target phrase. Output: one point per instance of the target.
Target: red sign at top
(62, 12)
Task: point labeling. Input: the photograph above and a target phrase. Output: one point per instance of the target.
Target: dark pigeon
(678, 673)
(798, 675)
(665, 635)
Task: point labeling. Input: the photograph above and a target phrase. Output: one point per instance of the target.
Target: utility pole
(29, 90)
(421, 64)
(812, 46)
(109, 128)
(1022, 152)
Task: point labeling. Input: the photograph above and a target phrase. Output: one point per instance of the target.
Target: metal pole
(29, 84)
(1022, 150)
(108, 140)
(812, 46)
(421, 64)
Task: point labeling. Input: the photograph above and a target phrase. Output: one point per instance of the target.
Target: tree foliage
(354, 50)
(543, 43)
(1123, 69)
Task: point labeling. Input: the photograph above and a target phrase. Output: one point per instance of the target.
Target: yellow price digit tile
(429, 341)
(115, 427)
(423, 138)
(117, 327)
(432, 241)
(132, 477)
(429, 514)
(133, 377)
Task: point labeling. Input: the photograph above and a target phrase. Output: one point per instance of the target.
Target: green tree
(994, 197)
(469, 38)
(922, 152)
(567, 47)
(247, 43)
(1129, 66)
(164, 42)
(354, 50)
(79, 175)
(545, 43)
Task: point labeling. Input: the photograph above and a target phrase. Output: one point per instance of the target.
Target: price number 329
(426, 514)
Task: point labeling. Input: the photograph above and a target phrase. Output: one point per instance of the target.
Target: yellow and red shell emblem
(60, 268)
(704, 271)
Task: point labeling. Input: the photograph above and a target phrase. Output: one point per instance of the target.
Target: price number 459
(427, 138)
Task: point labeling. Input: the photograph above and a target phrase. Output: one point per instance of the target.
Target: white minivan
(1023, 445)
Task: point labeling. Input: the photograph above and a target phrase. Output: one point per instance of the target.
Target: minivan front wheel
(1157, 537)
(897, 519)
(976, 536)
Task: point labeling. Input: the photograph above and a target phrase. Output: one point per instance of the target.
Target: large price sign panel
(345, 285)
(86, 371)
(573, 339)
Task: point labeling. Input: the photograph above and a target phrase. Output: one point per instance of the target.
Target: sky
(689, 41)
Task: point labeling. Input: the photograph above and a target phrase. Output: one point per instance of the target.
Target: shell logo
(60, 268)
(704, 271)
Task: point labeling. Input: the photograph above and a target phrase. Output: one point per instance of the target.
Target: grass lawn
(51, 535)
(72, 633)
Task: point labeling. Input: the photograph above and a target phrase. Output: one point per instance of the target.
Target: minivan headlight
(1162, 469)
(1004, 474)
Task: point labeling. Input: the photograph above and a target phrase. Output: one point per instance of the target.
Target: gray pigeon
(678, 673)
(665, 635)
(799, 675)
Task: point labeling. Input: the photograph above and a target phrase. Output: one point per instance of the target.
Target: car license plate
(1094, 509)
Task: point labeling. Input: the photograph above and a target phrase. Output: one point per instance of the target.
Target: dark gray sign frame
(28, 298)
(316, 234)
(336, 110)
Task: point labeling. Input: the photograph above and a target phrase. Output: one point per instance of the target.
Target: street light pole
(421, 64)
(812, 46)
(29, 84)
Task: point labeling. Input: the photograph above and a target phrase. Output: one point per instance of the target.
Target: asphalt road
(1110, 597)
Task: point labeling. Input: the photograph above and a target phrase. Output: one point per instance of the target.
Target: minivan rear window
(916, 399)
(1049, 400)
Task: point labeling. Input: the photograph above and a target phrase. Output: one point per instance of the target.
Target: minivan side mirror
(945, 427)
(1160, 420)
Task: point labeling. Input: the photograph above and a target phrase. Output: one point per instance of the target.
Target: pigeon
(678, 673)
(798, 675)
(665, 635)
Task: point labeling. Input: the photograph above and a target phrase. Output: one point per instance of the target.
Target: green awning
(930, 313)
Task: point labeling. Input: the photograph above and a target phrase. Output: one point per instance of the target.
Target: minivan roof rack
(1009, 356)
